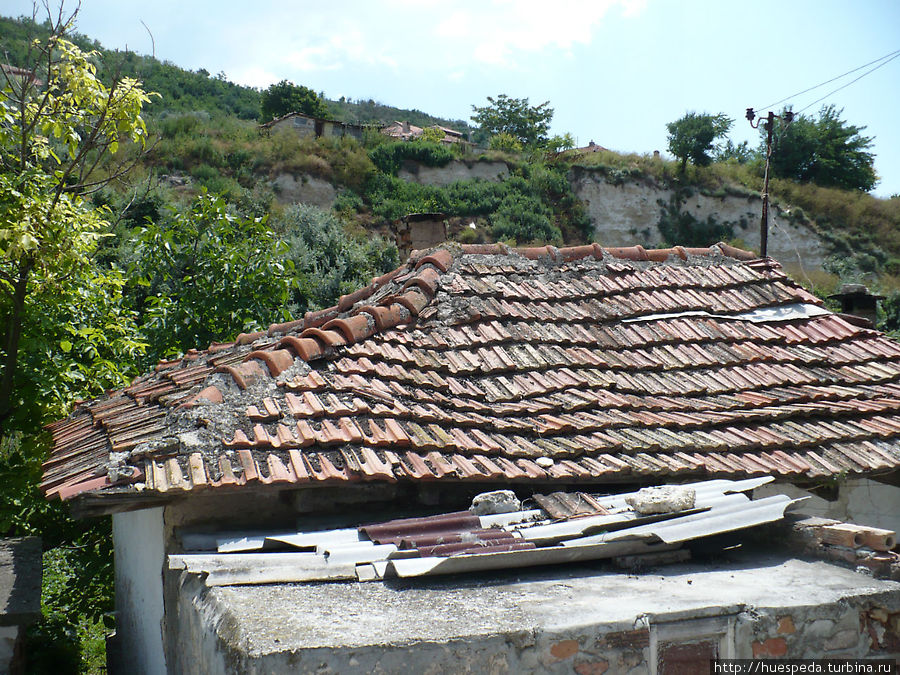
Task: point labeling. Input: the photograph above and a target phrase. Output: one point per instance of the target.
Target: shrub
(389, 157)
(682, 228)
(327, 261)
(505, 143)
(524, 219)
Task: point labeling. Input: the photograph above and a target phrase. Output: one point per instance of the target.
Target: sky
(614, 71)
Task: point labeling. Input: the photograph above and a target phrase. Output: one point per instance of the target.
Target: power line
(891, 56)
(850, 82)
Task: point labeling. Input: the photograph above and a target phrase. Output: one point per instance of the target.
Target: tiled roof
(483, 363)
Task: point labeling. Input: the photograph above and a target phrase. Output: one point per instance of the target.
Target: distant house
(10, 72)
(306, 125)
(405, 131)
(586, 150)
(276, 499)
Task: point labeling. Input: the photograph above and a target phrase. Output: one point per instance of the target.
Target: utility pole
(769, 126)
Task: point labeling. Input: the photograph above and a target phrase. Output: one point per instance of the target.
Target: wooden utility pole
(764, 225)
(769, 126)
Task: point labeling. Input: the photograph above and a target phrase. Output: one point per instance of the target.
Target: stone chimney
(858, 302)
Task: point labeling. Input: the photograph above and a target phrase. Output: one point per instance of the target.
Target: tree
(693, 137)
(826, 151)
(529, 125)
(59, 125)
(740, 153)
(286, 97)
(64, 332)
(208, 273)
(327, 261)
(433, 134)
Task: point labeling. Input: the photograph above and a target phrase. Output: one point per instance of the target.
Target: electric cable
(849, 83)
(891, 56)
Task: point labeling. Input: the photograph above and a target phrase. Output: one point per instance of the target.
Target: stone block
(662, 499)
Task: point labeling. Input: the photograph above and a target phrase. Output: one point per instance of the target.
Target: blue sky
(615, 71)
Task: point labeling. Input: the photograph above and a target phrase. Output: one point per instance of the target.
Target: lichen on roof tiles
(485, 363)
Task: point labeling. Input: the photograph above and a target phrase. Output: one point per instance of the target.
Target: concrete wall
(453, 171)
(139, 540)
(562, 620)
(9, 637)
(859, 500)
(838, 630)
(627, 214)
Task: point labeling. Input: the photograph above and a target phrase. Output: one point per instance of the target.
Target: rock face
(628, 213)
(303, 189)
(452, 171)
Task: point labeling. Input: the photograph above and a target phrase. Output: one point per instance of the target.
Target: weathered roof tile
(481, 363)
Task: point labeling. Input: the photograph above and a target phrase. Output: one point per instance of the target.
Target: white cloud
(253, 76)
(428, 33)
(497, 31)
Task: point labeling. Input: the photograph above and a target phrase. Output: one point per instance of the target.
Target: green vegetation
(693, 137)
(388, 157)
(195, 220)
(327, 261)
(535, 204)
(207, 272)
(679, 227)
(372, 112)
(286, 97)
(826, 151)
(527, 124)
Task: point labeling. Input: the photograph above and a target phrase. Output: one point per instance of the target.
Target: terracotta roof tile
(481, 363)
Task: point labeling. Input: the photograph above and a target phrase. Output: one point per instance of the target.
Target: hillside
(206, 137)
(188, 91)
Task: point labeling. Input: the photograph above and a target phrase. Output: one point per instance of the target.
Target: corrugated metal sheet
(460, 542)
(728, 517)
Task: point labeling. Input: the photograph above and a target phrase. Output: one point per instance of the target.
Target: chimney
(858, 303)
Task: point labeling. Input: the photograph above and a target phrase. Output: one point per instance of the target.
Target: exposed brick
(786, 625)
(565, 649)
(771, 647)
(635, 639)
(685, 659)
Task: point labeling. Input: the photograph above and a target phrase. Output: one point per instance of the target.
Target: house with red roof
(555, 375)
